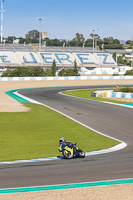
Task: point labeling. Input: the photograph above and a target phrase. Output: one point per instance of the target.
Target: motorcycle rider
(67, 143)
(64, 142)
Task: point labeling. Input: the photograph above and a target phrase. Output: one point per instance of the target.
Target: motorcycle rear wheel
(66, 154)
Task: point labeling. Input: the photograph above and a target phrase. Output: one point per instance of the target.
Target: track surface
(115, 121)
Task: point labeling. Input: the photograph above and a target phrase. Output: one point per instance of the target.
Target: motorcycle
(71, 151)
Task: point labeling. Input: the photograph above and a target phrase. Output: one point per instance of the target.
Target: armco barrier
(64, 78)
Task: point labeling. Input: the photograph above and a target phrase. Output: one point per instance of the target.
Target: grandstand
(12, 56)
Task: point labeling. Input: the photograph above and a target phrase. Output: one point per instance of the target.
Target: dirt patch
(116, 192)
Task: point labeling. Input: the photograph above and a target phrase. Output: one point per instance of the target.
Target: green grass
(87, 94)
(35, 134)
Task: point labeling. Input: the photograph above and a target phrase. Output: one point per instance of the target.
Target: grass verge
(87, 94)
(35, 134)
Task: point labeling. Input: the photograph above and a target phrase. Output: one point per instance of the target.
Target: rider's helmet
(61, 139)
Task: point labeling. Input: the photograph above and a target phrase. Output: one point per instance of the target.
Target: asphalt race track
(112, 120)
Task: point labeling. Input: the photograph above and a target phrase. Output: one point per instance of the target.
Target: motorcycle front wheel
(66, 154)
(81, 154)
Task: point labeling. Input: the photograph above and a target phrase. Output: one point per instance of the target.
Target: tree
(108, 40)
(129, 42)
(116, 41)
(129, 72)
(79, 37)
(33, 34)
(89, 43)
(56, 42)
(22, 40)
(77, 41)
(48, 72)
(62, 72)
(24, 72)
(38, 71)
(48, 42)
(99, 43)
(114, 56)
(96, 36)
(111, 43)
(10, 39)
(70, 72)
(75, 70)
(7, 73)
(122, 61)
(113, 46)
(54, 68)
(73, 43)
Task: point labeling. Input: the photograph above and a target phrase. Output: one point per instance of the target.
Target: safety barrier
(64, 78)
(111, 93)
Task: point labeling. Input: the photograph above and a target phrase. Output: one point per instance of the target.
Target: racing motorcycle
(71, 151)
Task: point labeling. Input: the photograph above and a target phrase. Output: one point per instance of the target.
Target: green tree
(96, 36)
(79, 37)
(114, 56)
(10, 39)
(33, 34)
(89, 43)
(129, 72)
(129, 42)
(111, 43)
(77, 41)
(73, 43)
(7, 73)
(48, 72)
(70, 72)
(62, 72)
(122, 61)
(75, 70)
(24, 72)
(98, 41)
(108, 40)
(116, 41)
(38, 71)
(54, 68)
(48, 42)
(22, 40)
(54, 42)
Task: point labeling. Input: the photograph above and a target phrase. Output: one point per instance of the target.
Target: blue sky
(64, 18)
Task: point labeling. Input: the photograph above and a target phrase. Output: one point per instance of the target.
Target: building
(44, 35)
